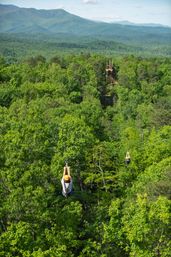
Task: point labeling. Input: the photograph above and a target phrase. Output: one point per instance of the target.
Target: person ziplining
(127, 158)
(66, 181)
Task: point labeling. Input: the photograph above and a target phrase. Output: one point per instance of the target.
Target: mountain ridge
(63, 11)
(56, 13)
(59, 23)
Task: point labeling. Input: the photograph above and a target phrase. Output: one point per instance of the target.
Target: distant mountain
(139, 24)
(18, 20)
(14, 19)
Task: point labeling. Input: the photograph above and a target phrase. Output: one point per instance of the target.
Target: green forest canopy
(19, 46)
(67, 108)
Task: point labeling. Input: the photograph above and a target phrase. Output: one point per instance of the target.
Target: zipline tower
(110, 73)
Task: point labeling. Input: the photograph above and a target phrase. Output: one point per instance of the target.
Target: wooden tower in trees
(108, 97)
(110, 73)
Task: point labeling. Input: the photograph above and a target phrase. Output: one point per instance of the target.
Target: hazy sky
(139, 11)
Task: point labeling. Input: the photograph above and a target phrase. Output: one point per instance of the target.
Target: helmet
(67, 178)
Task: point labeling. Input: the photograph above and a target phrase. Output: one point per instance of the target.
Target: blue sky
(138, 11)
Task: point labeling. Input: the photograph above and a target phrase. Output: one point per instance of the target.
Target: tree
(146, 227)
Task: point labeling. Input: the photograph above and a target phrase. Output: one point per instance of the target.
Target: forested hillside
(71, 109)
(27, 31)
(15, 47)
(14, 19)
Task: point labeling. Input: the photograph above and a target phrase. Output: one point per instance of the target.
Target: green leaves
(51, 113)
(75, 138)
(146, 226)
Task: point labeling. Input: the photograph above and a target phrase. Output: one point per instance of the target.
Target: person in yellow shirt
(127, 158)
